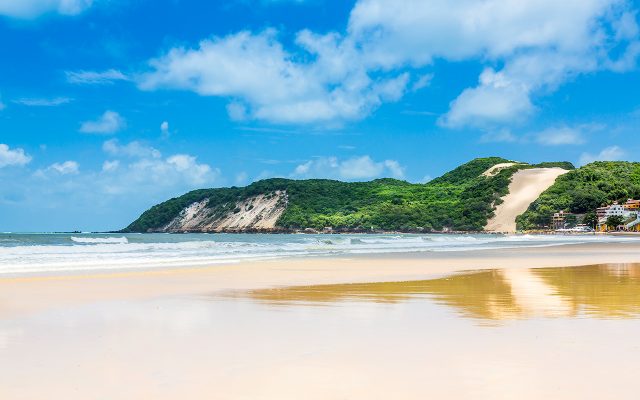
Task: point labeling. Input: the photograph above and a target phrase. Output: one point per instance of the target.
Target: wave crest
(90, 240)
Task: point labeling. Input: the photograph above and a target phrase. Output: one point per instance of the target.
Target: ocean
(61, 252)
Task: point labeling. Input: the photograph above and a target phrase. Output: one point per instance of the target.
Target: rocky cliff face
(256, 213)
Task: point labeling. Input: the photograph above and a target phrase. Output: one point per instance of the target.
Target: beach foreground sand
(512, 325)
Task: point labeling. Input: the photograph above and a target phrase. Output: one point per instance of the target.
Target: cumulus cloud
(559, 136)
(13, 157)
(133, 168)
(350, 169)
(95, 77)
(65, 168)
(34, 8)
(495, 100)
(612, 153)
(538, 44)
(108, 123)
(149, 169)
(266, 82)
(550, 43)
(68, 197)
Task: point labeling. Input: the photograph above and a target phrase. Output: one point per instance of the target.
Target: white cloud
(109, 122)
(164, 129)
(133, 149)
(13, 157)
(268, 83)
(542, 45)
(612, 153)
(65, 168)
(417, 31)
(422, 82)
(66, 200)
(34, 8)
(350, 169)
(149, 167)
(538, 44)
(2, 105)
(496, 99)
(34, 102)
(154, 174)
(196, 173)
(95, 77)
(110, 166)
(559, 136)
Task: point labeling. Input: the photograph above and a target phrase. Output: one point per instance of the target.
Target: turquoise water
(24, 253)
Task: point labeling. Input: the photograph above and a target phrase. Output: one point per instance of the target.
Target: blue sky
(110, 106)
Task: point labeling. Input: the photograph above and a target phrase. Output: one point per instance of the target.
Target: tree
(590, 219)
(614, 221)
(586, 199)
(571, 220)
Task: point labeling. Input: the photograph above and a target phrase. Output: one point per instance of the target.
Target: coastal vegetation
(462, 199)
(583, 190)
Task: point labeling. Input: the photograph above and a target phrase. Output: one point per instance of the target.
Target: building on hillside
(628, 211)
(632, 205)
(559, 219)
(600, 211)
(616, 210)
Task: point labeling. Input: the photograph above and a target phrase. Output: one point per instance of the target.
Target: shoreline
(33, 293)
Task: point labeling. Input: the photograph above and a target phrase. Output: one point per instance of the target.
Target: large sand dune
(525, 187)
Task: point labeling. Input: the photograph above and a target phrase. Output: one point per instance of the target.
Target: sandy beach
(31, 292)
(487, 324)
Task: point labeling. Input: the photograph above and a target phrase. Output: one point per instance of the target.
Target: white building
(617, 210)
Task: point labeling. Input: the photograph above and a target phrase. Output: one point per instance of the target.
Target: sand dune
(525, 187)
(497, 168)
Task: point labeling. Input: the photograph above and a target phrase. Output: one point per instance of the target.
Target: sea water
(59, 252)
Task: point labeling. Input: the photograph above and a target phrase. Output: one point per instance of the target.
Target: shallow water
(603, 291)
(33, 253)
(533, 333)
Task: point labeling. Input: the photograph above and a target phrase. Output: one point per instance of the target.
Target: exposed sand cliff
(257, 213)
(525, 187)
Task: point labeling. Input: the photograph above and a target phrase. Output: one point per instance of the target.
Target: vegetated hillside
(461, 199)
(583, 190)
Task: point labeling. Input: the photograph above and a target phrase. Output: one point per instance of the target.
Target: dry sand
(497, 168)
(525, 187)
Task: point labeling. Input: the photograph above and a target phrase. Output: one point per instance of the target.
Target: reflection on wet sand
(605, 291)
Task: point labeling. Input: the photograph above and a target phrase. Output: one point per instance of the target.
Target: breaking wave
(30, 253)
(93, 240)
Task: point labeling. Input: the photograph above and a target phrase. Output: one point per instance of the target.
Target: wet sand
(486, 324)
(33, 293)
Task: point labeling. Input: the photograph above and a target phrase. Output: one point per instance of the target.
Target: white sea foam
(51, 252)
(91, 240)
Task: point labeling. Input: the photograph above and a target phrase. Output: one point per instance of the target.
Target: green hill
(583, 190)
(461, 199)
